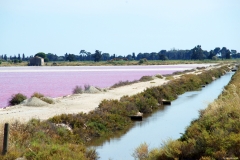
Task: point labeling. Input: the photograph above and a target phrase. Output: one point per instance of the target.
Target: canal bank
(167, 123)
(214, 135)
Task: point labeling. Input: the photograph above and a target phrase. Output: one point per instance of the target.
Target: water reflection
(168, 122)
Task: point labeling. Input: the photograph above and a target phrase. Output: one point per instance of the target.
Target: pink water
(60, 81)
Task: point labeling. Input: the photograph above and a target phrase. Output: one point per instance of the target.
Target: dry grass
(215, 134)
(43, 98)
(142, 152)
(117, 63)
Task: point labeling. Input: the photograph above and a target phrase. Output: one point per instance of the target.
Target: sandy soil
(74, 103)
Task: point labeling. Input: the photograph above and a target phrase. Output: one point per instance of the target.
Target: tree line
(196, 53)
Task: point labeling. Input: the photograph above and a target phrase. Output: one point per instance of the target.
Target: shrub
(37, 95)
(145, 78)
(159, 76)
(123, 83)
(42, 97)
(17, 99)
(141, 61)
(86, 87)
(215, 134)
(92, 154)
(48, 100)
(141, 152)
(77, 90)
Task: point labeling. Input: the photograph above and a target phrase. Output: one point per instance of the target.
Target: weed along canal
(166, 123)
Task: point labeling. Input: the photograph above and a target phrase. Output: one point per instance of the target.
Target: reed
(215, 134)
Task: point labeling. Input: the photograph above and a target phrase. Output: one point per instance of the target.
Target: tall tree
(71, 57)
(97, 56)
(65, 56)
(43, 55)
(105, 56)
(23, 57)
(197, 53)
(52, 57)
(133, 56)
(139, 56)
(217, 50)
(211, 54)
(5, 57)
(129, 57)
(228, 54)
(223, 52)
(162, 57)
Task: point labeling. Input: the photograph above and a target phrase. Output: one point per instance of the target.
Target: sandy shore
(74, 103)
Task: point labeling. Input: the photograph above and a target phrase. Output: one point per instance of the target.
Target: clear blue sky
(117, 26)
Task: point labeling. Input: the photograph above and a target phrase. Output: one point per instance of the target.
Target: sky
(118, 27)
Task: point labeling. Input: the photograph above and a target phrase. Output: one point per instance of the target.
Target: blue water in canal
(165, 124)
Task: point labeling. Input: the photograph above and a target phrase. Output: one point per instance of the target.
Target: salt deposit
(35, 102)
(92, 89)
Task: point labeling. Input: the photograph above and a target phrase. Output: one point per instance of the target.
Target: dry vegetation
(214, 135)
(117, 63)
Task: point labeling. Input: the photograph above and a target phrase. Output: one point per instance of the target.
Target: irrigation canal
(167, 123)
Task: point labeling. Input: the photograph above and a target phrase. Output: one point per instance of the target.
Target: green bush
(17, 99)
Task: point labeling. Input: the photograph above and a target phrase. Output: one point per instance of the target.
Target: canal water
(167, 123)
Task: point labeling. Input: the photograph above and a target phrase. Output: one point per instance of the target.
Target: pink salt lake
(60, 81)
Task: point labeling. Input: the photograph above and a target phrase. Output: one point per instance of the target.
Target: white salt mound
(35, 102)
(92, 89)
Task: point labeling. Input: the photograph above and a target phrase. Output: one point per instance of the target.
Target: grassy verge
(214, 135)
(136, 62)
(47, 140)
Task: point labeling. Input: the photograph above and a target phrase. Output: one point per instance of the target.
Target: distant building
(36, 61)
